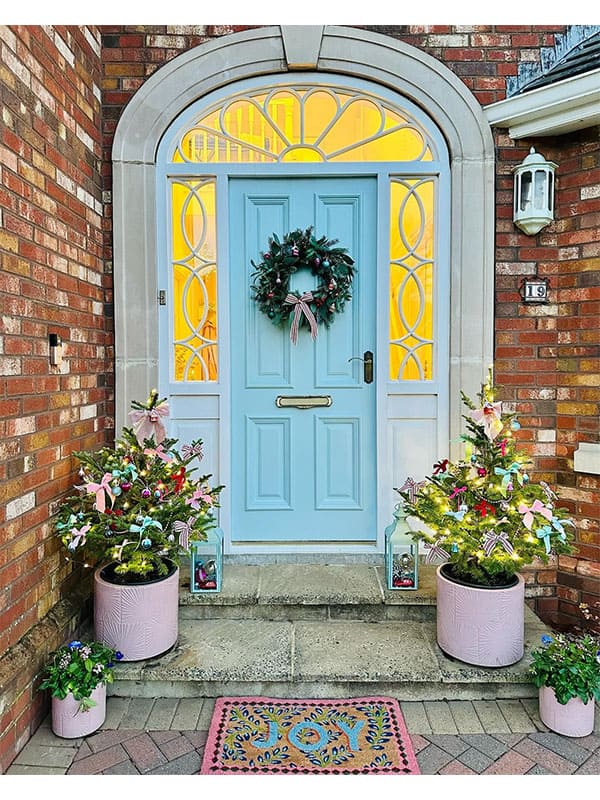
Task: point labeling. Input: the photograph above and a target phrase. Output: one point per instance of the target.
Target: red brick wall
(51, 281)
(547, 356)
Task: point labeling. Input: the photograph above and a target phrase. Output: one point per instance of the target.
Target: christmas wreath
(332, 266)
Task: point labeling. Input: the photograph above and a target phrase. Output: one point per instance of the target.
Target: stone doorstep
(320, 659)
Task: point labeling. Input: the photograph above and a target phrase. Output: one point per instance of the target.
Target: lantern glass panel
(401, 553)
(525, 191)
(206, 563)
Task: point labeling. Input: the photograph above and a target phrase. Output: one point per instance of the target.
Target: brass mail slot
(303, 401)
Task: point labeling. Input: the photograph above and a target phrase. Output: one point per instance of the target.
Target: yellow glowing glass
(194, 274)
(411, 279)
(304, 123)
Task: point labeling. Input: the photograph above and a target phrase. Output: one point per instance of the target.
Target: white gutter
(569, 105)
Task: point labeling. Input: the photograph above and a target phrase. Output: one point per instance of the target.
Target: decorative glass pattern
(194, 274)
(412, 275)
(304, 123)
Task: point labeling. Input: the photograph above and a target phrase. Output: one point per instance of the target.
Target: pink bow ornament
(490, 417)
(537, 508)
(194, 500)
(78, 537)
(147, 422)
(159, 452)
(301, 307)
(101, 490)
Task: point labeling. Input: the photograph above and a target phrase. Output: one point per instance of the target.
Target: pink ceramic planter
(575, 718)
(69, 722)
(140, 620)
(484, 627)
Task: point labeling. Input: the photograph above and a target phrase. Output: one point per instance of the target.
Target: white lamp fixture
(534, 193)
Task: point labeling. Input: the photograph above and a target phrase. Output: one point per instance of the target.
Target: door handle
(367, 360)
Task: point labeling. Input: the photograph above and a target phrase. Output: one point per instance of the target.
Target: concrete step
(309, 592)
(324, 630)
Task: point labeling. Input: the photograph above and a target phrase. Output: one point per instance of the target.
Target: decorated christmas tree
(139, 504)
(483, 514)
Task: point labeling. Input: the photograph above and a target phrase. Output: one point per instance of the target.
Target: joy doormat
(266, 735)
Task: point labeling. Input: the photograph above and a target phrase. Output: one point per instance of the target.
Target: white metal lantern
(534, 193)
(401, 553)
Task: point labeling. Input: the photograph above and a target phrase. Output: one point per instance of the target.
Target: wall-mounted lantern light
(533, 193)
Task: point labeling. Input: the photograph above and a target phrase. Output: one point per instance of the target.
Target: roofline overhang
(569, 105)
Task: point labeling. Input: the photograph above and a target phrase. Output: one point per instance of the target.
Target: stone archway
(275, 50)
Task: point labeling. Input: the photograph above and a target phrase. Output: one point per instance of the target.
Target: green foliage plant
(570, 664)
(78, 668)
(139, 505)
(482, 514)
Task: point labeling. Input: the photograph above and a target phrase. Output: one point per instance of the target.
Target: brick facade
(51, 281)
(63, 90)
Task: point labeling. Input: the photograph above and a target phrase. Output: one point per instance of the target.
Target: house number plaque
(534, 290)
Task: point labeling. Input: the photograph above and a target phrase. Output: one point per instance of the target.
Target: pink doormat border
(212, 764)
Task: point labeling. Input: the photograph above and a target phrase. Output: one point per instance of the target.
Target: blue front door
(302, 475)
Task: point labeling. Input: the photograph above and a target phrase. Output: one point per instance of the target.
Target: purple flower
(119, 655)
(74, 645)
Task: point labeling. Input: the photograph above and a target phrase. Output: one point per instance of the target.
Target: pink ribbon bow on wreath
(301, 307)
(102, 489)
(537, 508)
(147, 422)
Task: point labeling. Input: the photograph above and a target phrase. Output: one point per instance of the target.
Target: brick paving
(482, 737)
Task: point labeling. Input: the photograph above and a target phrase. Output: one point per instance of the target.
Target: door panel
(302, 475)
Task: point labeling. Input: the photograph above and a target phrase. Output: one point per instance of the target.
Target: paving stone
(160, 737)
(516, 717)
(486, 744)
(510, 763)
(545, 757)
(456, 768)
(144, 753)
(105, 739)
(415, 717)
(509, 739)
(591, 766)
(206, 714)
(161, 716)
(418, 742)
(531, 706)
(45, 737)
(125, 768)
(562, 745)
(26, 769)
(490, 716)
(590, 742)
(451, 744)
(116, 709)
(197, 738)
(188, 764)
(187, 714)
(137, 713)
(432, 759)
(440, 717)
(98, 762)
(537, 770)
(176, 748)
(45, 755)
(83, 751)
(475, 760)
(465, 716)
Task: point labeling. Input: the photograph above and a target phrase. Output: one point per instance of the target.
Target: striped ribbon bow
(492, 538)
(435, 551)
(301, 307)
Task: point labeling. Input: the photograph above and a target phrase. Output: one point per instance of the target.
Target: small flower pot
(70, 722)
(575, 718)
(139, 619)
(480, 626)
